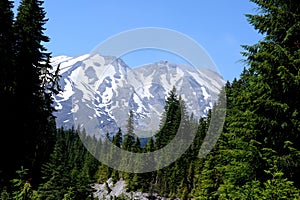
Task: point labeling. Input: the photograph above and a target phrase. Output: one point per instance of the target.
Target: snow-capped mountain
(105, 88)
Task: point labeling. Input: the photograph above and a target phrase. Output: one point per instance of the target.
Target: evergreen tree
(170, 122)
(149, 147)
(35, 85)
(70, 170)
(137, 145)
(169, 127)
(55, 171)
(6, 49)
(129, 136)
(7, 81)
(22, 187)
(262, 114)
(128, 145)
(117, 139)
(274, 63)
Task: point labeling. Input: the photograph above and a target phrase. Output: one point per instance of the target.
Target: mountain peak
(106, 89)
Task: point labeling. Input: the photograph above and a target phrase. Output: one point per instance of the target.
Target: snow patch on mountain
(104, 88)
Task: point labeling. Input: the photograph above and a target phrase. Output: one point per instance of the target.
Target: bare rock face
(110, 190)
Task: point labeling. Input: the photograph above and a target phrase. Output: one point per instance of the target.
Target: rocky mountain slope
(104, 88)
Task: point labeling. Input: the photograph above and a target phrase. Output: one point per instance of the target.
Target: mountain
(104, 88)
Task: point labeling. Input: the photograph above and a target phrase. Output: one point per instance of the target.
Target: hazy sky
(76, 27)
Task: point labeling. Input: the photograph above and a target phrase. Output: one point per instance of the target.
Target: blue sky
(75, 27)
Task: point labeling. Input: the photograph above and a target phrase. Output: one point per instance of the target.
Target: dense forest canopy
(256, 157)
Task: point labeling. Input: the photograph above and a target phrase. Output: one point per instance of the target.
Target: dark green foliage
(256, 157)
(129, 136)
(117, 139)
(22, 188)
(167, 131)
(262, 116)
(149, 147)
(35, 85)
(6, 49)
(26, 88)
(170, 122)
(275, 63)
(7, 92)
(71, 169)
(179, 178)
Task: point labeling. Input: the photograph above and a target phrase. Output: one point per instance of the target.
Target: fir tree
(170, 122)
(70, 170)
(169, 127)
(117, 139)
(7, 92)
(6, 49)
(261, 114)
(274, 62)
(35, 85)
(129, 136)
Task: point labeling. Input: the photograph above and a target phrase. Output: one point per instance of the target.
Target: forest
(257, 155)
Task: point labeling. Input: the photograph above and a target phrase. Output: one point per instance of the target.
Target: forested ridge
(257, 155)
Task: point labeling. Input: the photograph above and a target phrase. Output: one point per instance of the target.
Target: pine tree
(7, 81)
(22, 187)
(70, 170)
(169, 127)
(35, 85)
(128, 145)
(137, 145)
(149, 147)
(129, 136)
(262, 114)
(117, 139)
(6, 49)
(170, 122)
(274, 62)
(55, 171)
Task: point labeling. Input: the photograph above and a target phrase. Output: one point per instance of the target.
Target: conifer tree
(129, 136)
(149, 147)
(261, 114)
(71, 169)
(128, 145)
(170, 122)
(6, 49)
(7, 81)
(169, 127)
(35, 86)
(117, 139)
(274, 63)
